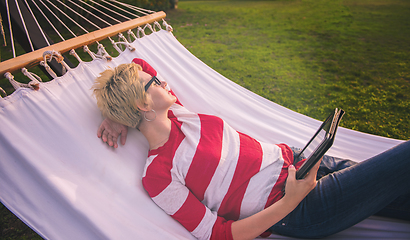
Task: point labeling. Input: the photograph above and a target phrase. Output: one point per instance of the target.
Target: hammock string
(2, 93)
(49, 10)
(74, 53)
(33, 84)
(115, 44)
(102, 53)
(10, 29)
(141, 31)
(167, 26)
(81, 16)
(56, 17)
(24, 25)
(131, 34)
(50, 55)
(48, 20)
(125, 43)
(38, 25)
(2, 31)
(156, 24)
(35, 79)
(135, 8)
(101, 50)
(110, 10)
(89, 12)
(87, 50)
(115, 6)
(48, 69)
(101, 12)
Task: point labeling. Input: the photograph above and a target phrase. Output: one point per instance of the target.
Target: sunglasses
(153, 79)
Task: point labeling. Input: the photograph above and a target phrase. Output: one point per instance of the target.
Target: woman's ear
(141, 106)
(144, 106)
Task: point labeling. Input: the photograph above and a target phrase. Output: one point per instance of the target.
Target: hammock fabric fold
(65, 183)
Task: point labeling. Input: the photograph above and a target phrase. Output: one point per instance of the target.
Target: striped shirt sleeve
(178, 202)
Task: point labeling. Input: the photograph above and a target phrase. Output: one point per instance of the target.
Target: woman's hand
(110, 130)
(297, 190)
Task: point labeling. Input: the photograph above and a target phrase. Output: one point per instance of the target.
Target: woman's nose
(163, 84)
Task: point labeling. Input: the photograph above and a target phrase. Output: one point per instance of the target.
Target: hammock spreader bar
(33, 58)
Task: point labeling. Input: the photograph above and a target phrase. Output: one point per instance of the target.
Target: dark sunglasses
(153, 79)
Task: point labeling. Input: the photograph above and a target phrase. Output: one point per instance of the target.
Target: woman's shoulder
(178, 110)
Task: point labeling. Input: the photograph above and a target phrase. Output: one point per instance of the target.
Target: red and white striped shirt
(208, 175)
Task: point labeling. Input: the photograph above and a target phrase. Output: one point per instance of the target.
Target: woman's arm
(296, 191)
(178, 201)
(110, 130)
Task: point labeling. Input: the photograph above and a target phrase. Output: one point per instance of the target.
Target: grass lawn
(308, 55)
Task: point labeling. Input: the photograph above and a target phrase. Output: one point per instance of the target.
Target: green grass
(308, 55)
(11, 228)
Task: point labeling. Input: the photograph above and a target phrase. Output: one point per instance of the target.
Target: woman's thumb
(292, 172)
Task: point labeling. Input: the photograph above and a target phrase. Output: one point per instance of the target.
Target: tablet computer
(319, 143)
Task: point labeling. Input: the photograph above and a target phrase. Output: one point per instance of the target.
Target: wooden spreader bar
(33, 58)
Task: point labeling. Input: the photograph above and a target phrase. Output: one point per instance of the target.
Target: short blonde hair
(118, 91)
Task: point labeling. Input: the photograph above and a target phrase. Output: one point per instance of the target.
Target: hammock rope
(103, 53)
(68, 17)
(74, 53)
(135, 8)
(115, 6)
(24, 25)
(50, 55)
(49, 22)
(103, 14)
(89, 12)
(110, 10)
(33, 77)
(38, 25)
(2, 92)
(2, 31)
(33, 84)
(10, 29)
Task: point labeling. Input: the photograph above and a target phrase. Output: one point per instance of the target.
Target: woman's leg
(328, 165)
(331, 164)
(346, 197)
(399, 208)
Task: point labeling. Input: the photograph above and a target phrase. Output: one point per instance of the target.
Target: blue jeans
(348, 193)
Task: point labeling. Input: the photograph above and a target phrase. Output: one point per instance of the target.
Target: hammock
(65, 183)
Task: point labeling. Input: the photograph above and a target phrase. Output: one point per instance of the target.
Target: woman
(222, 184)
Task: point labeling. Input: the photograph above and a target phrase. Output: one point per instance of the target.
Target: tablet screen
(320, 136)
(319, 143)
(315, 143)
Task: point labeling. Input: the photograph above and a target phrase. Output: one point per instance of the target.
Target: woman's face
(162, 99)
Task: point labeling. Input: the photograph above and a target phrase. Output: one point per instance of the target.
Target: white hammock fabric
(65, 183)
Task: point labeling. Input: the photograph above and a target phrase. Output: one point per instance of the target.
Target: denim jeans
(348, 193)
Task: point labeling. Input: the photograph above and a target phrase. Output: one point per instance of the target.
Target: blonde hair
(118, 91)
